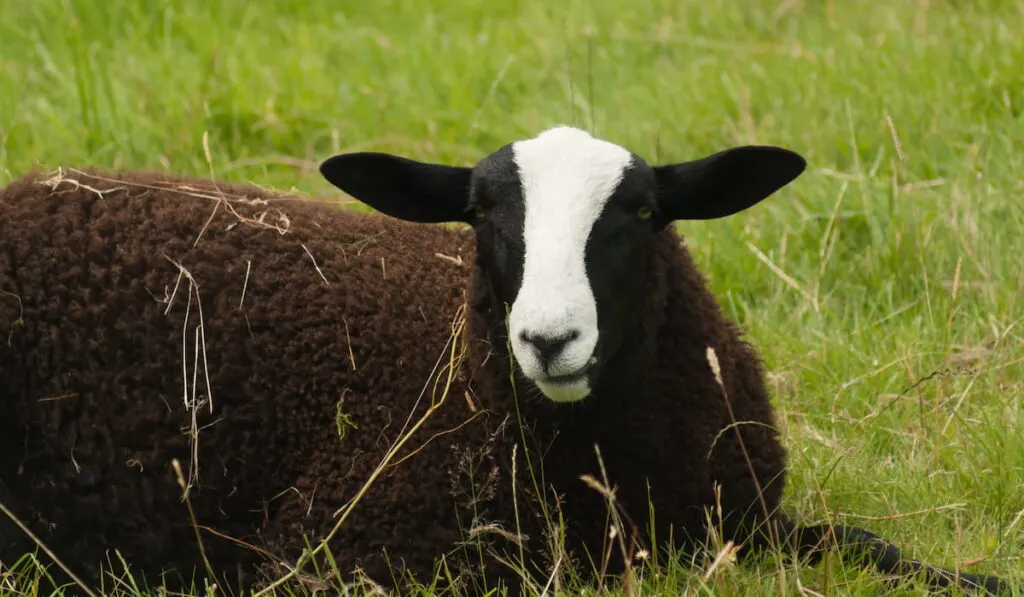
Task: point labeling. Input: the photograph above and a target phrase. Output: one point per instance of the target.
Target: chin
(564, 392)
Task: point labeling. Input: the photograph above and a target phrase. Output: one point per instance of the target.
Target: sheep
(205, 375)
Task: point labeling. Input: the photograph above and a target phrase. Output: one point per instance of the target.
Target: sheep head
(565, 223)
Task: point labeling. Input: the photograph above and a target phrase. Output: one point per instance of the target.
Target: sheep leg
(859, 546)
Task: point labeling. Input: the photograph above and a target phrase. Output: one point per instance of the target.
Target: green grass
(885, 288)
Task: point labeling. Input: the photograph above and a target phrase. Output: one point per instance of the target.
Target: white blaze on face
(567, 177)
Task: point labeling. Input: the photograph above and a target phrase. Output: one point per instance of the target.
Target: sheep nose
(548, 347)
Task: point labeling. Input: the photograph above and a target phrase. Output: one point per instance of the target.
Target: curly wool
(317, 329)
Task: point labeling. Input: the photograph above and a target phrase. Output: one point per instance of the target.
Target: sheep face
(565, 224)
(565, 219)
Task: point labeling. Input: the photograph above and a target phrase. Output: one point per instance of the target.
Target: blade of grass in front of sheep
(617, 529)
(192, 515)
(228, 201)
(21, 314)
(46, 549)
(716, 369)
(200, 347)
(555, 523)
(58, 177)
(557, 540)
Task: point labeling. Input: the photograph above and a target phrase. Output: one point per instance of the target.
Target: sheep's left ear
(724, 183)
(402, 188)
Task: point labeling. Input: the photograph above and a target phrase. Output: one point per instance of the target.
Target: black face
(589, 230)
(565, 224)
(615, 251)
(617, 255)
(497, 212)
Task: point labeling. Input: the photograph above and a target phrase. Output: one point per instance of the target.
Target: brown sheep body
(316, 343)
(324, 335)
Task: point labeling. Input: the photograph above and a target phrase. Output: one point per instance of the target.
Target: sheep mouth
(583, 374)
(567, 379)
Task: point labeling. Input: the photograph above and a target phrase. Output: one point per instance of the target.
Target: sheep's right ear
(402, 188)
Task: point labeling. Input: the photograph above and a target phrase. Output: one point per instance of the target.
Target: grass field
(885, 288)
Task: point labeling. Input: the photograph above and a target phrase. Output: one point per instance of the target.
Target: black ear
(402, 188)
(724, 183)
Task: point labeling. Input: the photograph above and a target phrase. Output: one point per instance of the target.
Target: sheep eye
(645, 212)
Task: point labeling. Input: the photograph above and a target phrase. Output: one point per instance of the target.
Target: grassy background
(885, 288)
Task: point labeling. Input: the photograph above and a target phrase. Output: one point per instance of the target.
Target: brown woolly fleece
(312, 338)
(318, 329)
